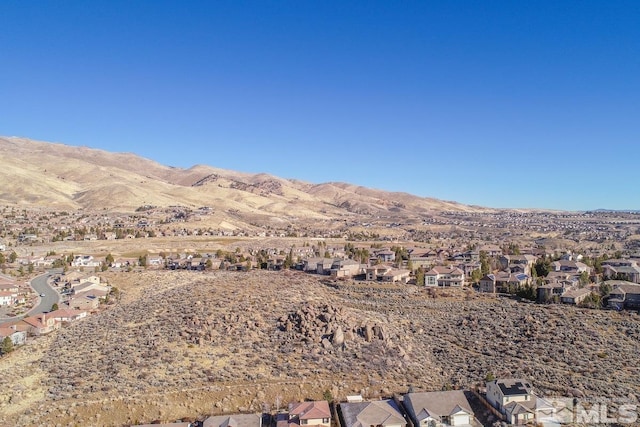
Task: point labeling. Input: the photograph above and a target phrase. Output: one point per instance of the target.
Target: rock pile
(329, 326)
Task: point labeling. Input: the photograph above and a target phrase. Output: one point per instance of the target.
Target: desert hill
(55, 175)
(179, 344)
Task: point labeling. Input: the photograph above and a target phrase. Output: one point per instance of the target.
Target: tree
(527, 292)
(476, 275)
(108, 259)
(13, 256)
(288, 261)
(584, 278)
(420, 276)
(485, 266)
(605, 289)
(542, 267)
(592, 301)
(142, 260)
(7, 345)
(54, 307)
(410, 265)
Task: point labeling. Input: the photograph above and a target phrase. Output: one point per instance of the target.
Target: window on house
(325, 420)
(304, 422)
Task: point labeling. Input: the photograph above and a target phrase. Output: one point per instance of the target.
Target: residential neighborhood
(512, 401)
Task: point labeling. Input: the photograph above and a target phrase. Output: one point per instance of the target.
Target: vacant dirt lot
(185, 345)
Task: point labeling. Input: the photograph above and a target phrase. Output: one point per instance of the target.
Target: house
(85, 261)
(124, 263)
(345, 268)
(552, 291)
(488, 284)
(8, 298)
(314, 413)
(621, 269)
(574, 267)
(444, 276)
(90, 287)
(468, 268)
(17, 337)
(379, 413)
(470, 256)
(490, 250)
(155, 261)
(310, 265)
(90, 278)
(396, 275)
(510, 282)
(83, 301)
(323, 266)
(517, 263)
(40, 324)
(439, 408)
(236, 420)
(179, 424)
(8, 284)
(623, 295)
(514, 398)
(67, 315)
(72, 277)
(575, 296)
(385, 255)
(375, 272)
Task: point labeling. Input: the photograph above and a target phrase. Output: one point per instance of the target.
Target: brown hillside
(52, 174)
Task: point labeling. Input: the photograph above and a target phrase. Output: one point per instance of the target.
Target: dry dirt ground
(183, 345)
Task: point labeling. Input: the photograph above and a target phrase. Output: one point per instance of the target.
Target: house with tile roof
(314, 413)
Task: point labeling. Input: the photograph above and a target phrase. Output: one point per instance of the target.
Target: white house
(85, 261)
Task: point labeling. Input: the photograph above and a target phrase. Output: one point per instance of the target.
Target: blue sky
(529, 104)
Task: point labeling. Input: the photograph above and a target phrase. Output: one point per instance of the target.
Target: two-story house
(513, 398)
(444, 276)
(621, 269)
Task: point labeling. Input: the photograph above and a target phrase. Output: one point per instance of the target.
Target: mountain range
(64, 177)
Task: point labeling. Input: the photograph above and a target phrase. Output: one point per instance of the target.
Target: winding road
(41, 286)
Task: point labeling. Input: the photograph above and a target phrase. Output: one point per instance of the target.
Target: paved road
(41, 286)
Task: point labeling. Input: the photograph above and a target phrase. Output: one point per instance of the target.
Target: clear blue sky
(496, 103)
